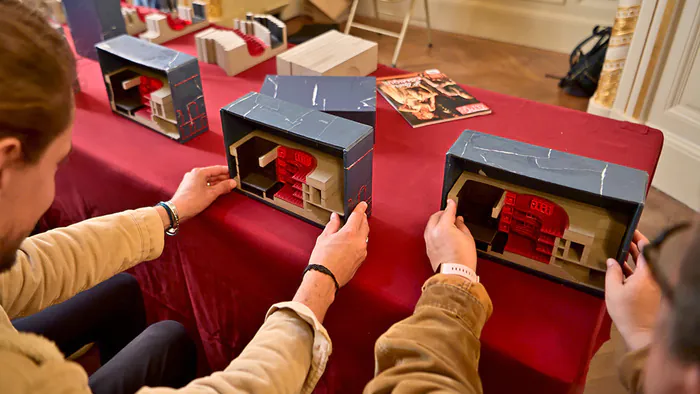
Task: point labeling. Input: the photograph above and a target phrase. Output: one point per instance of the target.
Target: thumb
(613, 277)
(333, 225)
(461, 226)
(224, 187)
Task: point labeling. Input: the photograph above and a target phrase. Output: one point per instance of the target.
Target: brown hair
(37, 71)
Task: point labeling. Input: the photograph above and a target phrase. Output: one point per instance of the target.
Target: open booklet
(429, 97)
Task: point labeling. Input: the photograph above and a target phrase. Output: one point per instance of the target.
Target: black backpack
(582, 78)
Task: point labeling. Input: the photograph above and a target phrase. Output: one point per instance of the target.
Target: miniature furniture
(155, 86)
(404, 27)
(330, 54)
(238, 257)
(93, 21)
(548, 212)
(352, 98)
(304, 162)
(251, 42)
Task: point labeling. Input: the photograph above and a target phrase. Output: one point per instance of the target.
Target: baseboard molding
(679, 158)
(544, 26)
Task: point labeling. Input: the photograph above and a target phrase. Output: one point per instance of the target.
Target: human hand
(199, 188)
(342, 250)
(633, 302)
(448, 240)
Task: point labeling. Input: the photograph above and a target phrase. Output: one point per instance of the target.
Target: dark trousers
(112, 316)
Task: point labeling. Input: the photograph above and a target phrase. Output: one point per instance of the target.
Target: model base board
(296, 178)
(563, 238)
(251, 42)
(330, 54)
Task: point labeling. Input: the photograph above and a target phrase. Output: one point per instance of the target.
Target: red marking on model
(293, 166)
(358, 160)
(532, 224)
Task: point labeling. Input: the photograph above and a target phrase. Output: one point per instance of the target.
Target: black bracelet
(324, 270)
(168, 211)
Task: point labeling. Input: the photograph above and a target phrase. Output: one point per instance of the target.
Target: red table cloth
(227, 266)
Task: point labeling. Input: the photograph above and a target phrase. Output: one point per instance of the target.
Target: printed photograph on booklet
(429, 97)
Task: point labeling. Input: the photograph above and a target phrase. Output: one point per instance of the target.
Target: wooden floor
(517, 71)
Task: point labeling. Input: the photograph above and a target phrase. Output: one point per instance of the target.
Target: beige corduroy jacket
(287, 355)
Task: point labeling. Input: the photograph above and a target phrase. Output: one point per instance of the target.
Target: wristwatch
(461, 270)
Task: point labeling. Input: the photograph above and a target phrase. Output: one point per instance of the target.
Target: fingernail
(610, 262)
(460, 218)
(334, 216)
(450, 202)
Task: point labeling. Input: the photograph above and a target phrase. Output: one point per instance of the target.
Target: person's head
(37, 71)
(674, 360)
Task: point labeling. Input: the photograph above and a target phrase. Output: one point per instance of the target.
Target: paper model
(351, 98)
(93, 21)
(162, 27)
(223, 12)
(299, 160)
(251, 42)
(155, 86)
(330, 54)
(546, 211)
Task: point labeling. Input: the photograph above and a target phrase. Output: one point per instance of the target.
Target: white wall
(557, 25)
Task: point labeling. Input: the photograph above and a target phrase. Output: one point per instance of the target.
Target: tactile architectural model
(162, 27)
(251, 42)
(330, 54)
(93, 21)
(546, 211)
(155, 86)
(305, 162)
(351, 98)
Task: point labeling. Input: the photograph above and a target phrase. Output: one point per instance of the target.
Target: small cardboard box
(353, 98)
(93, 21)
(155, 86)
(547, 212)
(302, 161)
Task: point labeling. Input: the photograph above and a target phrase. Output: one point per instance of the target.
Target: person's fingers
(224, 187)
(355, 220)
(208, 172)
(218, 178)
(639, 237)
(364, 227)
(333, 225)
(433, 220)
(641, 261)
(461, 226)
(613, 277)
(634, 251)
(627, 270)
(448, 218)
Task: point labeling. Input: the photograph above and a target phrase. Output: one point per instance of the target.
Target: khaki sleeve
(437, 348)
(53, 266)
(287, 355)
(631, 370)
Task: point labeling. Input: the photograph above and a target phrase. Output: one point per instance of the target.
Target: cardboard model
(93, 21)
(330, 54)
(163, 27)
(545, 211)
(351, 98)
(251, 42)
(299, 160)
(155, 86)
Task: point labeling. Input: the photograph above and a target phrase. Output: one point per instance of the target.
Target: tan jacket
(287, 355)
(437, 348)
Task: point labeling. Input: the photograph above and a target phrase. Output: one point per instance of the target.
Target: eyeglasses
(664, 271)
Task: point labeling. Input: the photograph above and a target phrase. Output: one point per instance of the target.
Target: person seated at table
(438, 347)
(51, 282)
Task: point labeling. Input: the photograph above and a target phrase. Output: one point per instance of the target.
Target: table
(227, 266)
